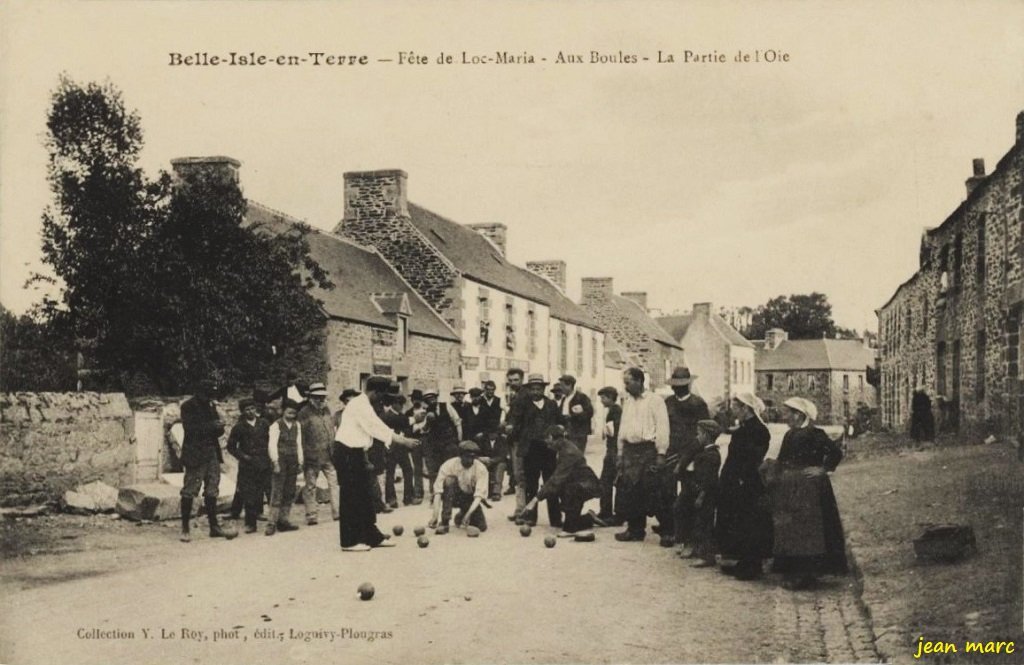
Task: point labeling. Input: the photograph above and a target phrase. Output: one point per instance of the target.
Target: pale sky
(729, 183)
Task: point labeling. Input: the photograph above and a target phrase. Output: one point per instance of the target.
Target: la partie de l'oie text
(414, 58)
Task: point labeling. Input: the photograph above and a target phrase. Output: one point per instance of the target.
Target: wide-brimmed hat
(458, 390)
(469, 447)
(804, 406)
(681, 377)
(347, 394)
(317, 390)
(536, 379)
(751, 400)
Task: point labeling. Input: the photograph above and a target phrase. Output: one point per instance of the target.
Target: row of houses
(954, 329)
(432, 302)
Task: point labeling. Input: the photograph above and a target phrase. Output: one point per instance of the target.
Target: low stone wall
(53, 442)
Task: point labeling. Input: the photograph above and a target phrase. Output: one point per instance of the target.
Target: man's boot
(211, 514)
(186, 519)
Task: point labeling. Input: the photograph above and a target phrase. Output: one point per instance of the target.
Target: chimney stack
(375, 195)
(702, 310)
(496, 233)
(1020, 127)
(222, 168)
(553, 270)
(979, 175)
(775, 337)
(639, 297)
(596, 288)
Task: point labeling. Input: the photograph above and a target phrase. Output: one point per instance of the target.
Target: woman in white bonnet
(808, 534)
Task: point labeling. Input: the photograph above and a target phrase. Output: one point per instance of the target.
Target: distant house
(626, 320)
(721, 357)
(375, 322)
(832, 373)
(505, 316)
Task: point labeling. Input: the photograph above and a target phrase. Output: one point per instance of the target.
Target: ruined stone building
(374, 321)
(721, 357)
(630, 328)
(954, 327)
(832, 373)
(506, 316)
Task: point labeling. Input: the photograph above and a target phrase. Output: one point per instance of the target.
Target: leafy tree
(806, 316)
(32, 356)
(163, 282)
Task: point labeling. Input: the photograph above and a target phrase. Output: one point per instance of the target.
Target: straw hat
(804, 406)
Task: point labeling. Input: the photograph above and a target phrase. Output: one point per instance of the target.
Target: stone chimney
(774, 337)
(596, 288)
(1020, 127)
(639, 297)
(374, 195)
(553, 270)
(496, 233)
(979, 175)
(702, 310)
(223, 168)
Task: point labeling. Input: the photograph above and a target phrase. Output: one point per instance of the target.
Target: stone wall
(955, 327)
(377, 215)
(53, 442)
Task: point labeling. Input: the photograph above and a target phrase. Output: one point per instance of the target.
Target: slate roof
(359, 274)
(639, 316)
(678, 324)
(474, 255)
(813, 354)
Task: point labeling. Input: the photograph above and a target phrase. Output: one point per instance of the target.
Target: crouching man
(573, 483)
(462, 483)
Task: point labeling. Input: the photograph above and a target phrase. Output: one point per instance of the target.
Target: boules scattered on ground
(472, 531)
(525, 530)
(423, 541)
(549, 541)
(366, 591)
(398, 530)
(419, 531)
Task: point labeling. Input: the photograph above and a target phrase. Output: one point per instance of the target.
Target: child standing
(705, 478)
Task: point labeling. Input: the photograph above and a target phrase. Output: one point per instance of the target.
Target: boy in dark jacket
(704, 477)
(248, 444)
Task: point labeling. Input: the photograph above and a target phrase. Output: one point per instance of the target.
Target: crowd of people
(662, 460)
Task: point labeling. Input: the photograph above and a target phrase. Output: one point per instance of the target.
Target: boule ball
(423, 541)
(549, 541)
(398, 529)
(419, 531)
(525, 530)
(366, 591)
(230, 533)
(472, 532)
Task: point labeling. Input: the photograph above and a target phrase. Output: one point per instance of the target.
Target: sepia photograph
(511, 332)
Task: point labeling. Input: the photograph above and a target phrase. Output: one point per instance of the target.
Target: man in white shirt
(285, 450)
(360, 425)
(643, 442)
(462, 482)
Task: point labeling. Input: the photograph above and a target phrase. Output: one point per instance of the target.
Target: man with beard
(440, 436)
(248, 444)
(516, 398)
(474, 416)
(643, 443)
(359, 427)
(491, 404)
(577, 412)
(685, 410)
(201, 456)
(317, 437)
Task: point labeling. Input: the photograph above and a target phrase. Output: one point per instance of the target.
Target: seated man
(461, 483)
(494, 455)
(573, 483)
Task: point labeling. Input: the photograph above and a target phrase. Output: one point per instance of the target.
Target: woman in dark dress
(808, 535)
(744, 527)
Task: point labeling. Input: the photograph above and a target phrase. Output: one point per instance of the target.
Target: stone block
(103, 494)
(77, 503)
(149, 501)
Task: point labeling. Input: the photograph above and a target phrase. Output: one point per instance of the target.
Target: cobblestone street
(498, 598)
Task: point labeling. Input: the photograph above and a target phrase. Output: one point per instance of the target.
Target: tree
(801, 316)
(32, 357)
(162, 279)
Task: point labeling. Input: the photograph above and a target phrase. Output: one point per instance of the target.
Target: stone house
(506, 316)
(955, 327)
(626, 320)
(375, 322)
(721, 357)
(832, 373)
